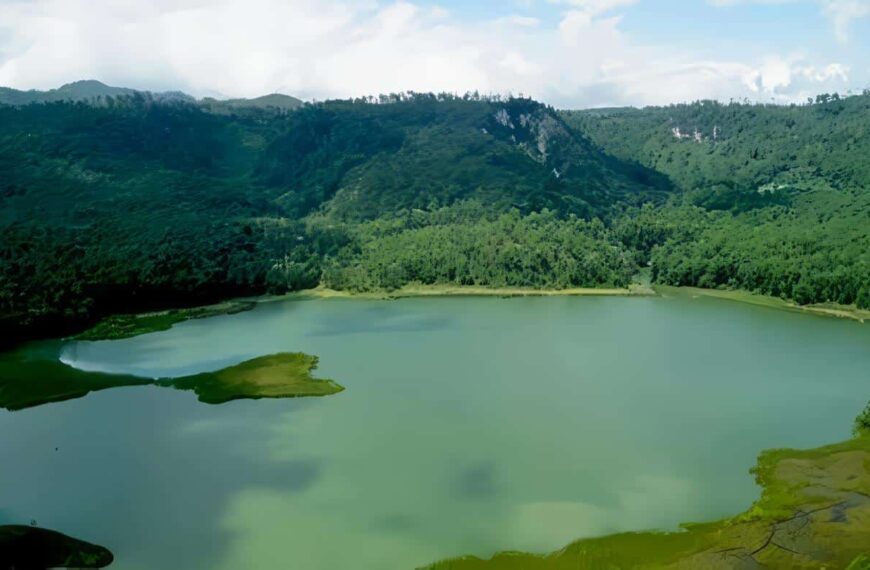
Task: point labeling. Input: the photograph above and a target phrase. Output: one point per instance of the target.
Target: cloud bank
(331, 48)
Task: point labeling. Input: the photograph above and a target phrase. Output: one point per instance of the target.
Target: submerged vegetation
(814, 512)
(31, 380)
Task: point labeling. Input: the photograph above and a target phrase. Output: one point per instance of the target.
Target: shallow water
(469, 425)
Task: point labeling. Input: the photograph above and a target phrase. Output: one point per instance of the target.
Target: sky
(569, 53)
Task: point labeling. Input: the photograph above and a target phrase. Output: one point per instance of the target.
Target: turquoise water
(469, 425)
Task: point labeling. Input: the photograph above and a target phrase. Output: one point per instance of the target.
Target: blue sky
(572, 53)
(744, 28)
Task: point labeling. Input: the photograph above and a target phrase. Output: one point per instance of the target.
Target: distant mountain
(90, 90)
(85, 90)
(275, 101)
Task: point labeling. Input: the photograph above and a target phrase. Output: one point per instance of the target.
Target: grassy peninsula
(814, 512)
(25, 383)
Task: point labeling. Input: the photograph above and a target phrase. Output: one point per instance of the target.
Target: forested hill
(776, 199)
(425, 150)
(127, 202)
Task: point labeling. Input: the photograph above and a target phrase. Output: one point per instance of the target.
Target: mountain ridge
(85, 90)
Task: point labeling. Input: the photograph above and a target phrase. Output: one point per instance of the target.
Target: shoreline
(412, 291)
(803, 492)
(130, 325)
(741, 296)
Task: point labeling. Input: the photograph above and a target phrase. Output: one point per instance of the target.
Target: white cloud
(330, 48)
(843, 12)
(792, 78)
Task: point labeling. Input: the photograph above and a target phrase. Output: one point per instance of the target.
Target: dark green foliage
(862, 422)
(128, 207)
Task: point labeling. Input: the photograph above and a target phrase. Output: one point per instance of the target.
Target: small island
(283, 375)
(27, 383)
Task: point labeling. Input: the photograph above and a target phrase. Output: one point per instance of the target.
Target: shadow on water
(477, 481)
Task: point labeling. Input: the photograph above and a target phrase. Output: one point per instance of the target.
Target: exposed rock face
(541, 134)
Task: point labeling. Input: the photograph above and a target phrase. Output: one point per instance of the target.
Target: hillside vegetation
(775, 199)
(129, 201)
(135, 204)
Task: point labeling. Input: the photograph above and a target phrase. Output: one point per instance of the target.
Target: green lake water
(468, 426)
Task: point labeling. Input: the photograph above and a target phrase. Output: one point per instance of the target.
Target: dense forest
(122, 201)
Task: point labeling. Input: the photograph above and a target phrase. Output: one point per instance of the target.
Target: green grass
(127, 326)
(283, 375)
(860, 563)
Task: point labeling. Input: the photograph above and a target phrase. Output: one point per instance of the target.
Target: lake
(468, 426)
